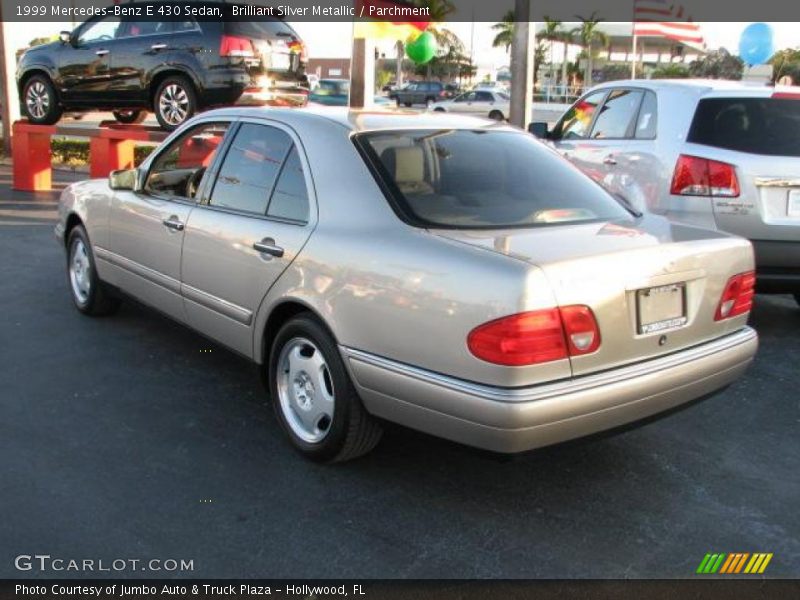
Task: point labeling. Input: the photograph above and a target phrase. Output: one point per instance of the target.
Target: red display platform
(111, 147)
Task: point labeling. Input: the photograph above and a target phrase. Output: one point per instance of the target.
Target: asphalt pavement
(132, 437)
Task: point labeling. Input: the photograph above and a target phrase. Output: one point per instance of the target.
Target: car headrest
(406, 164)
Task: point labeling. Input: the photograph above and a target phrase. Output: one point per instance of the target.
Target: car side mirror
(65, 37)
(539, 129)
(124, 179)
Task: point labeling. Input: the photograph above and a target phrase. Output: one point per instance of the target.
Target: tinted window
(178, 170)
(259, 29)
(769, 126)
(290, 198)
(648, 118)
(617, 114)
(136, 28)
(484, 97)
(250, 168)
(102, 30)
(483, 179)
(578, 119)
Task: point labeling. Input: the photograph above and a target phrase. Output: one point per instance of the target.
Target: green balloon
(422, 49)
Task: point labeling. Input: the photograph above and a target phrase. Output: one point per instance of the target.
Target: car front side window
(102, 30)
(178, 170)
(576, 123)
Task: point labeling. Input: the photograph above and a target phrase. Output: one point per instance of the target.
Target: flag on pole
(379, 20)
(661, 18)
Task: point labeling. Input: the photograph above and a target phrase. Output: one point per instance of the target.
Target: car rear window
(768, 126)
(460, 178)
(259, 29)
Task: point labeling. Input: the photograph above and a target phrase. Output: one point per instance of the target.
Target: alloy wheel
(80, 272)
(173, 104)
(37, 100)
(305, 390)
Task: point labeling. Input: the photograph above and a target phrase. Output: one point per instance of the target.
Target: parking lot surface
(132, 437)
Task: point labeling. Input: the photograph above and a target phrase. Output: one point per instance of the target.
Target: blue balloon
(755, 45)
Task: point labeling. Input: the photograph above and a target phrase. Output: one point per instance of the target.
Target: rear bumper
(515, 420)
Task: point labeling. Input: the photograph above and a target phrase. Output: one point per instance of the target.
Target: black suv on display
(421, 92)
(172, 67)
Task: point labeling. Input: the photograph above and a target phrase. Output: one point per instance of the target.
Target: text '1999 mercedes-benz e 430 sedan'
(444, 272)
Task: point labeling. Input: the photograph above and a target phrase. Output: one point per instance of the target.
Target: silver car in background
(493, 104)
(717, 154)
(447, 273)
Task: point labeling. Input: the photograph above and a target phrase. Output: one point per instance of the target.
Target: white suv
(717, 154)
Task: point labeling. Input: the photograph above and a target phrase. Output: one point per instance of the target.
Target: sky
(332, 39)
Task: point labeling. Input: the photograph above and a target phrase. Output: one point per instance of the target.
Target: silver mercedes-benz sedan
(447, 273)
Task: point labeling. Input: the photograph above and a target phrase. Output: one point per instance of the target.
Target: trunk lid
(611, 266)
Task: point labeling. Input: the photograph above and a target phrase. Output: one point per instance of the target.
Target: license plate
(281, 61)
(661, 308)
(793, 207)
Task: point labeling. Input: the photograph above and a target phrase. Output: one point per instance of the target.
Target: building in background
(329, 68)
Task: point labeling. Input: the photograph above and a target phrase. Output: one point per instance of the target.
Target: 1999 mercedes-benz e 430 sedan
(447, 273)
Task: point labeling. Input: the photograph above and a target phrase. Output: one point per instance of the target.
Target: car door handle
(609, 160)
(101, 52)
(267, 246)
(158, 46)
(173, 223)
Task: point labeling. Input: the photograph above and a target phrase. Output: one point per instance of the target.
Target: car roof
(365, 119)
(709, 87)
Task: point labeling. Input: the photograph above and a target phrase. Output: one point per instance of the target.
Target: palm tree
(551, 33)
(587, 34)
(505, 31)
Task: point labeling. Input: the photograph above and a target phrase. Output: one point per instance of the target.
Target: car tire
(89, 294)
(174, 102)
(313, 397)
(129, 116)
(407, 104)
(40, 102)
(496, 115)
(439, 109)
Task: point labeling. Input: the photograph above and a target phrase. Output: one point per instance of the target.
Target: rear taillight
(232, 45)
(298, 48)
(737, 298)
(536, 337)
(695, 176)
(442, 94)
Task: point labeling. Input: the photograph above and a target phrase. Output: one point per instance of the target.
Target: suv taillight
(536, 337)
(695, 176)
(298, 48)
(737, 298)
(232, 45)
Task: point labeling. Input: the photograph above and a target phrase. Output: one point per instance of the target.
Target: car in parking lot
(173, 67)
(448, 273)
(492, 104)
(420, 92)
(717, 154)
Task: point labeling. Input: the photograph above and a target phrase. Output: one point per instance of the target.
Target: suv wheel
(496, 115)
(314, 400)
(40, 102)
(175, 101)
(129, 116)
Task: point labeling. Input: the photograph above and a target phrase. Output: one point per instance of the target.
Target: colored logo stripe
(734, 563)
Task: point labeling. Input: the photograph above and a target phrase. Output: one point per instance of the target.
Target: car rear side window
(250, 168)
(648, 118)
(290, 198)
(616, 116)
(767, 126)
(482, 179)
